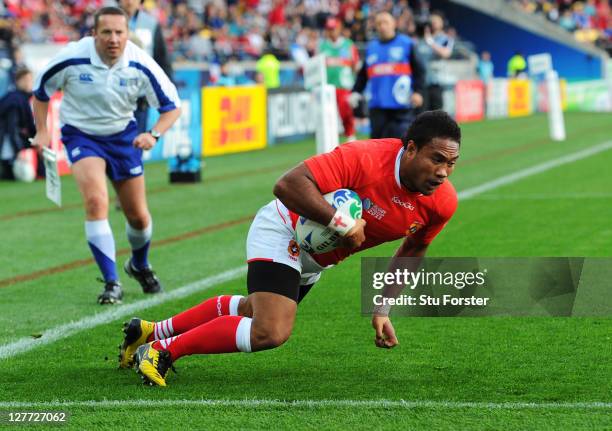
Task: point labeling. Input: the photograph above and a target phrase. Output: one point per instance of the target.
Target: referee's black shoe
(146, 277)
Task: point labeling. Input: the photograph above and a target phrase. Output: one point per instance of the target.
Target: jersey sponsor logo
(126, 82)
(389, 69)
(414, 227)
(374, 210)
(136, 170)
(86, 78)
(396, 53)
(294, 250)
(398, 201)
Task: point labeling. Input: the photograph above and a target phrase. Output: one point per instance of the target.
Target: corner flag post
(326, 110)
(541, 64)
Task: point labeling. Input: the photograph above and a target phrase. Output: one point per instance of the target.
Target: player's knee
(138, 220)
(263, 338)
(245, 308)
(96, 205)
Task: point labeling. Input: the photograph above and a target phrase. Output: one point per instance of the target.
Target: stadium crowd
(589, 21)
(215, 30)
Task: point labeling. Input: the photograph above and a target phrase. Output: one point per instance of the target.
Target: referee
(102, 77)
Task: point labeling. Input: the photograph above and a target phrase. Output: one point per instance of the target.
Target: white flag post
(541, 64)
(326, 110)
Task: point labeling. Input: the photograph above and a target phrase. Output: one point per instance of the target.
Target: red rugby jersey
(371, 169)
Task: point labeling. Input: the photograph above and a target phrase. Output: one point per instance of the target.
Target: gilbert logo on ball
(316, 238)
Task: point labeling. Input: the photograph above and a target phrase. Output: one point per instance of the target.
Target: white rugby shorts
(271, 238)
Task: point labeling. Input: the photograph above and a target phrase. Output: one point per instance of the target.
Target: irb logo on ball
(315, 238)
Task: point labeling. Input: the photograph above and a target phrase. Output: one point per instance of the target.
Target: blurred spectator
(277, 14)
(16, 122)
(588, 20)
(485, 67)
(342, 61)
(517, 65)
(7, 56)
(146, 32)
(268, 70)
(231, 74)
(440, 42)
(433, 44)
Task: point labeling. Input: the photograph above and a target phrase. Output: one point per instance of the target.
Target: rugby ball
(315, 238)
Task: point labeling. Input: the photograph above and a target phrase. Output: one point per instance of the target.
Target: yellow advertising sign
(519, 98)
(563, 85)
(233, 119)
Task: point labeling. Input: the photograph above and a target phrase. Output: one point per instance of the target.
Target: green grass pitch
(480, 373)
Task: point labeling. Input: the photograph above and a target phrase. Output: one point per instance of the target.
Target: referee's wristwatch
(155, 134)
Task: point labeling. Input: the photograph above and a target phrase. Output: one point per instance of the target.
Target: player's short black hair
(109, 10)
(432, 124)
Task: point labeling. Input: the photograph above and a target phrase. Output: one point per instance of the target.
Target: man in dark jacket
(16, 121)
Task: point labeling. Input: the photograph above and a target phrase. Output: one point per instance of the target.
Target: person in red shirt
(404, 187)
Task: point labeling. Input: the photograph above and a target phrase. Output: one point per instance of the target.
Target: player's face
(425, 170)
(111, 36)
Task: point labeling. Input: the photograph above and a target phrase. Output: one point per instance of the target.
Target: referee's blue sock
(140, 239)
(102, 245)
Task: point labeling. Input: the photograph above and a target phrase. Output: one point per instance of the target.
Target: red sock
(204, 312)
(226, 334)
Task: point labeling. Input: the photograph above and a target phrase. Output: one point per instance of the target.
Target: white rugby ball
(315, 238)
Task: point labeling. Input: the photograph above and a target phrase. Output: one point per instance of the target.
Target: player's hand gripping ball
(316, 238)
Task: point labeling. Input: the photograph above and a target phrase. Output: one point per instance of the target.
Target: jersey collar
(398, 160)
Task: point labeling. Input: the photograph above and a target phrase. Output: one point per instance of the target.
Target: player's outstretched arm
(299, 192)
(385, 333)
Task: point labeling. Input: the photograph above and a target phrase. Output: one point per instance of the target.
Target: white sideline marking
(543, 197)
(253, 403)
(116, 312)
(60, 332)
(534, 170)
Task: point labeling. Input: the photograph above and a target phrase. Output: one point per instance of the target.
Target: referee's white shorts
(272, 239)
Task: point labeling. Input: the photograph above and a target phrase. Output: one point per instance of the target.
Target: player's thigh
(273, 316)
(132, 197)
(272, 302)
(90, 176)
